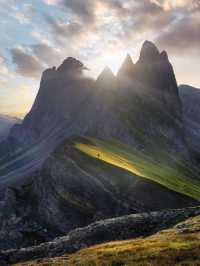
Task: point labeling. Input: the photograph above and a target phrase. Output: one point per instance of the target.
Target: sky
(39, 34)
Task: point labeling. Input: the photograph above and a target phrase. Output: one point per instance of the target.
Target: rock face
(153, 105)
(106, 80)
(154, 69)
(55, 115)
(121, 228)
(127, 68)
(61, 93)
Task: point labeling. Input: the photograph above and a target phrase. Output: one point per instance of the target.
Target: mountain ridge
(70, 104)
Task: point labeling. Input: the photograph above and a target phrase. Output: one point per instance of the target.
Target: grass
(177, 246)
(171, 176)
(166, 248)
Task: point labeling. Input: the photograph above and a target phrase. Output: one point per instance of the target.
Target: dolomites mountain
(142, 99)
(65, 94)
(140, 108)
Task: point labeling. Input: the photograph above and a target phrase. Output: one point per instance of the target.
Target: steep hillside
(169, 172)
(78, 188)
(190, 98)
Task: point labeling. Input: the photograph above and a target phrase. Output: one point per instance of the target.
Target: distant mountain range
(6, 123)
(94, 149)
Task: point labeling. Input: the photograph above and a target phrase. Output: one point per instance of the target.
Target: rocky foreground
(122, 228)
(179, 246)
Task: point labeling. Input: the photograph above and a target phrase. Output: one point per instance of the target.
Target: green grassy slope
(173, 176)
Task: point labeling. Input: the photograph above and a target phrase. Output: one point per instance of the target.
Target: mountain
(190, 98)
(6, 122)
(95, 149)
(106, 79)
(127, 68)
(62, 94)
(139, 106)
(152, 99)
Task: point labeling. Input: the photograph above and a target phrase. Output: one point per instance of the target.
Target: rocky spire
(106, 79)
(127, 67)
(149, 52)
(106, 74)
(164, 56)
(71, 64)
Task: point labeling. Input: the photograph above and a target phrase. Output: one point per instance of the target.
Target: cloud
(84, 10)
(147, 16)
(63, 30)
(26, 64)
(31, 60)
(106, 19)
(21, 18)
(174, 4)
(183, 36)
(40, 37)
(87, 29)
(3, 66)
(50, 2)
(48, 55)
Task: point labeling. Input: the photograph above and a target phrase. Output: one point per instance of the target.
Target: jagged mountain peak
(71, 63)
(106, 73)
(148, 44)
(107, 69)
(128, 61)
(148, 52)
(127, 66)
(164, 56)
(66, 101)
(106, 78)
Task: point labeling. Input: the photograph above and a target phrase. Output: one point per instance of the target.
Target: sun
(113, 60)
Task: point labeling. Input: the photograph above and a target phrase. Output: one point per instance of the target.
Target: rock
(149, 53)
(127, 68)
(70, 65)
(122, 228)
(106, 80)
